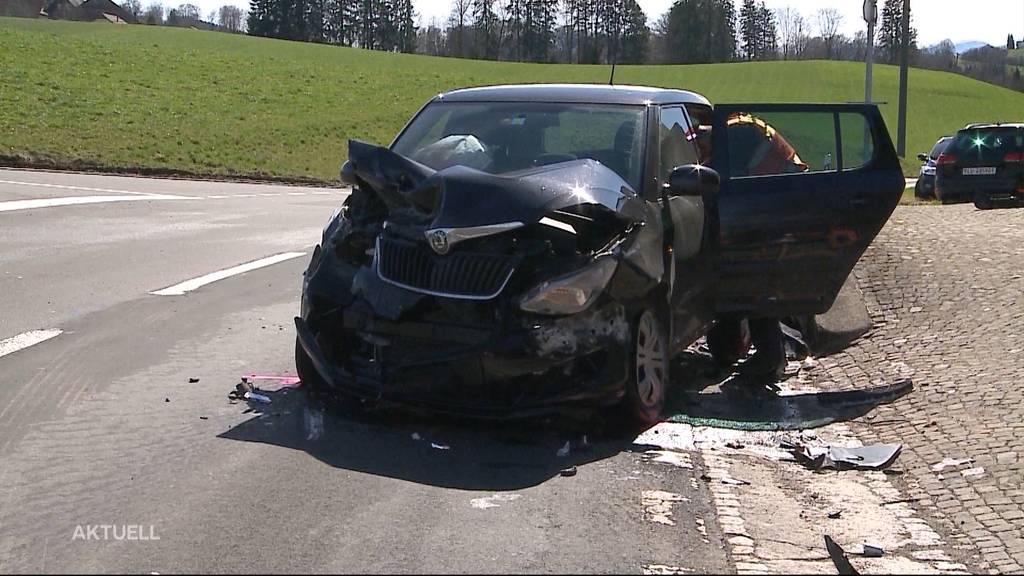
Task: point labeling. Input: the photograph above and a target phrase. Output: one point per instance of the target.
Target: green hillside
(96, 94)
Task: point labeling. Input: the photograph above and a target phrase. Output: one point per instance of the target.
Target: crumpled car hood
(458, 196)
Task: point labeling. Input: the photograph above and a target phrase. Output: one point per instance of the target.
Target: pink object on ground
(285, 381)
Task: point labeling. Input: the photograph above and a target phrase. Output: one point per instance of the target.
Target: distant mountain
(965, 46)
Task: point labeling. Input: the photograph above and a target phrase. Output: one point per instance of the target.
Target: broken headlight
(570, 293)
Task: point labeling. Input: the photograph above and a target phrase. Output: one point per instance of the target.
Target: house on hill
(86, 10)
(21, 8)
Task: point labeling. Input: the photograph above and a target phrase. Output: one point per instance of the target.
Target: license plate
(983, 171)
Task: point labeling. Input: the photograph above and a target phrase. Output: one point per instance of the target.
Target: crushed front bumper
(540, 366)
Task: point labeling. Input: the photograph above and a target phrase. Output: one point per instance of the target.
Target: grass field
(95, 94)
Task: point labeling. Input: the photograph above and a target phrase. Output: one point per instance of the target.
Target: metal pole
(870, 62)
(901, 138)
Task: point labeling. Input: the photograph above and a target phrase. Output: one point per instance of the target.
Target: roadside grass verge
(178, 101)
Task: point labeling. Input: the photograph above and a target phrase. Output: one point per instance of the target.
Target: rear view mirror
(922, 157)
(693, 180)
(348, 173)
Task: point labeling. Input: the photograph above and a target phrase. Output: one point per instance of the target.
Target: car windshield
(986, 144)
(939, 148)
(500, 137)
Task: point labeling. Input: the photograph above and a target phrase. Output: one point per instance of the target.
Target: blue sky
(959, 20)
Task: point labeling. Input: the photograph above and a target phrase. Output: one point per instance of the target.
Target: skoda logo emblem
(438, 241)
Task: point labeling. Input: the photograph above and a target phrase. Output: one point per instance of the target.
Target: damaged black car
(520, 248)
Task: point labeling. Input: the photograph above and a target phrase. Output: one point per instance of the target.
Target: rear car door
(805, 189)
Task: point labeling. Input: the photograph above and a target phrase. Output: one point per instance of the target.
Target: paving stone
(968, 315)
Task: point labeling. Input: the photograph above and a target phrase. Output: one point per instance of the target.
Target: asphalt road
(101, 426)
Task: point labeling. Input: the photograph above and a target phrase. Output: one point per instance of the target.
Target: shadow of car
(437, 452)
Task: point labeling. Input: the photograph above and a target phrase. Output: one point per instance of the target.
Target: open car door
(805, 189)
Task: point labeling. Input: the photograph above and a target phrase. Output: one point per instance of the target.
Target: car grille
(458, 274)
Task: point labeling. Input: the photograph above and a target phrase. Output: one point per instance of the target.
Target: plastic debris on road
(951, 463)
(873, 457)
(257, 397)
(872, 551)
(838, 555)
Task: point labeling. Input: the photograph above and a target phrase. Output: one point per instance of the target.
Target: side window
(702, 117)
(858, 143)
(771, 143)
(676, 148)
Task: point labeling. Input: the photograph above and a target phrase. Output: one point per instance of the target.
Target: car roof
(574, 94)
(984, 125)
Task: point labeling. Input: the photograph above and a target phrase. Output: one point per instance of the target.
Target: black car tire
(919, 191)
(647, 387)
(982, 202)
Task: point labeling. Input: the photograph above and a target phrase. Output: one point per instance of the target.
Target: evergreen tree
(485, 29)
(768, 34)
(891, 32)
(750, 33)
(1011, 43)
(701, 31)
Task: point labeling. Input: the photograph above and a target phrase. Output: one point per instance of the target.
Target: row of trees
(373, 24)
(229, 17)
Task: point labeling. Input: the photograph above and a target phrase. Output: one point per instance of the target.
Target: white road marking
(195, 283)
(26, 339)
(83, 188)
(12, 205)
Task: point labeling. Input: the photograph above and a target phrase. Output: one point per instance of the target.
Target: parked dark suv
(984, 163)
(925, 187)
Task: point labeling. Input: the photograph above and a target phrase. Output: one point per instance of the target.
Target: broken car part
(873, 457)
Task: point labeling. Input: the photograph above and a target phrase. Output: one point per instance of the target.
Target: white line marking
(218, 196)
(296, 193)
(12, 205)
(83, 188)
(322, 193)
(193, 284)
(26, 339)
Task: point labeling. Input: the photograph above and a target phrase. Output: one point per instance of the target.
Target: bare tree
(231, 17)
(430, 39)
(154, 14)
(792, 32)
(133, 7)
(829, 22)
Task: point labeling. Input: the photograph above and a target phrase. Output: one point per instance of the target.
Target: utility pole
(871, 17)
(901, 135)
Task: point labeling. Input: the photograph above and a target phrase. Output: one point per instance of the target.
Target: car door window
(676, 148)
(773, 143)
(857, 142)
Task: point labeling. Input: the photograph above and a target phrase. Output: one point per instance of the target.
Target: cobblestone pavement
(944, 287)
